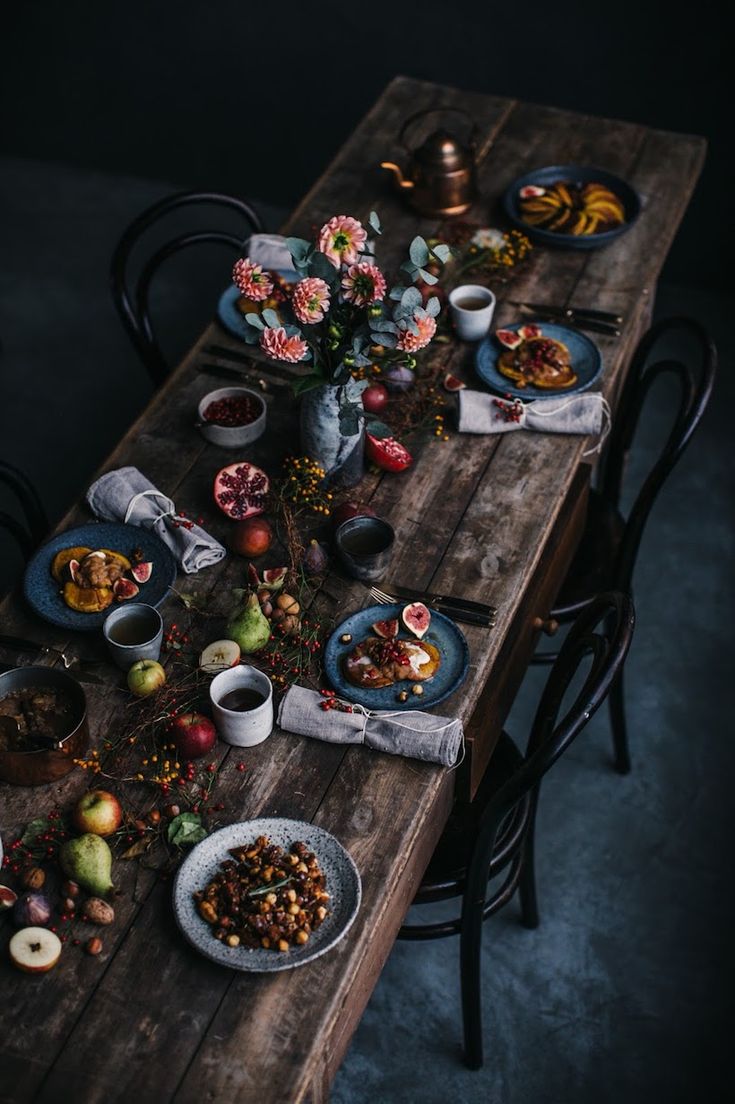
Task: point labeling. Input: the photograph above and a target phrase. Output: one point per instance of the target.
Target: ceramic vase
(322, 440)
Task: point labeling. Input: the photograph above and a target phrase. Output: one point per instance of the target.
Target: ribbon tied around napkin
(586, 414)
(126, 495)
(408, 732)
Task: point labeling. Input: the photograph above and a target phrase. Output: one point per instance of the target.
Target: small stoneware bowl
(231, 436)
(37, 766)
(243, 726)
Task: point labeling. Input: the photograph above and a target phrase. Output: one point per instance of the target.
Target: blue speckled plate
(343, 886)
(586, 361)
(42, 592)
(443, 634)
(577, 174)
(228, 314)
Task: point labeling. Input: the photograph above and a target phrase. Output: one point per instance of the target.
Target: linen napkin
(480, 412)
(407, 732)
(127, 495)
(270, 251)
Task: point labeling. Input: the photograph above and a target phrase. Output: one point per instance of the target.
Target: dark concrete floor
(624, 991)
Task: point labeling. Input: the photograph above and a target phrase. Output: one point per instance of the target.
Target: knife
(579, 312)
(574, 320)
(73, 665)
(478, 608)
(242, 376)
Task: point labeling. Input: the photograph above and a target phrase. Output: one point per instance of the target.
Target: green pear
(249, 627)
(88, 861)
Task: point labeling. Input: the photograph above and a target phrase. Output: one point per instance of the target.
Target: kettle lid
(442, 150)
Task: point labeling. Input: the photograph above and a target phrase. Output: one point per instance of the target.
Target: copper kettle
(440, 179)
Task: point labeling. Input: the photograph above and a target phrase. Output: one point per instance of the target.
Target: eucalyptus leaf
(418, 251)
(433, 307)
(376, 428)
(442, 252)
(271, 318)
(411, 298)
(321, 266)
(255, 320)
(427, 277)
(299, 249)
(382, 325)
(387, 340)
(374, 222)
(396, 292)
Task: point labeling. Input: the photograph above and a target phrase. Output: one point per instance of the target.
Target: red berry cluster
(511, 411)
(181, 521)
(174, 639)
(45, 844)
(331, 701)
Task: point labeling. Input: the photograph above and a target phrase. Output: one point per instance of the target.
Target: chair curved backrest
(604, 630)
(695, 379)
(30, 502)
(131, 298)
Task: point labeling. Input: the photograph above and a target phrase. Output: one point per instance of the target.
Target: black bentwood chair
(607, 554)
(132, 297)
(29, 532)
(494, 834)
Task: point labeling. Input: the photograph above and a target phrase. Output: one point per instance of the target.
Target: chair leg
(471, 983)
(527, 883)
(619, 727)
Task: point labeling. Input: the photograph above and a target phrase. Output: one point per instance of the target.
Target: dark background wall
(254, 98)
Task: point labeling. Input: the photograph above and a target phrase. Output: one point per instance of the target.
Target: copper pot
(35, 767)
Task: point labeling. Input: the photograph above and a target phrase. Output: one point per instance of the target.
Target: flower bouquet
(339, 315)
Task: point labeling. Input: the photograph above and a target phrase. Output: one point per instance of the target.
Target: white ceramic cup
(471, 323)
(242, 728)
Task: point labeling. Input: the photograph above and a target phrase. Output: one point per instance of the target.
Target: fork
(444, 605)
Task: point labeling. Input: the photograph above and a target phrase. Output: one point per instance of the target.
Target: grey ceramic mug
(141, 626)
(365, 546)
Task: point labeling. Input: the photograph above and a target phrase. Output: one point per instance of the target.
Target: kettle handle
(433, 111)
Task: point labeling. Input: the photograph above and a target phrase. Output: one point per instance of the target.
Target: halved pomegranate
(386, 629)
(124, 589)
(240, 490)
(142, 572)
(387, 453)
(509, 338)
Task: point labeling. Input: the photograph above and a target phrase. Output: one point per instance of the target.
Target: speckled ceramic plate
(443, 634)
(343, 885)
(42, 592)
(231, 318)
(586, 362)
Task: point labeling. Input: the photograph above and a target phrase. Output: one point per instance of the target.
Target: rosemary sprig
(268, 887)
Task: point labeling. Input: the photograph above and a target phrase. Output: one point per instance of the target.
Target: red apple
(252, 537)
(375, 397)
(98, 812)
(145, 677)
(194, 735)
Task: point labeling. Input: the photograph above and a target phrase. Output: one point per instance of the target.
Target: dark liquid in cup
(131, 632)
(472, 303)
(242, 699)
(364, 542)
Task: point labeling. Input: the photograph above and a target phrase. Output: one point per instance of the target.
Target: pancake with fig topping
(539, 361)
(374, 662)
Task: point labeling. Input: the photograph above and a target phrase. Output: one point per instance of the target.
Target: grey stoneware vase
(321, 438)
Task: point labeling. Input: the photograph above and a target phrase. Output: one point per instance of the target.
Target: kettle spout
(401, 180)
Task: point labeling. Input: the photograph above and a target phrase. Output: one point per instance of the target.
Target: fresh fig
(398, 378)
(509, 338)
(240, 490)
(315, 558)
(417, 618)
(124, 589)
(531, 191)
(274, 577)
(347, 510)
(386, 629)
(32, 910)
(529, 331)
(142, 572)
(253, 576)
(453, 383)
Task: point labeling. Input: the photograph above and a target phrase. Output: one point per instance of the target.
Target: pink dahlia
(363, 283)
(411, 342)
(279, 346)
(250, 279)
(310, 300)
(341, 239)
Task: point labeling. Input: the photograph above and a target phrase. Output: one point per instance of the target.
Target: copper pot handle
(433, 111)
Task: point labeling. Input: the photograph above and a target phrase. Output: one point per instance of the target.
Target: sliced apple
(34, 950)
(219, 656)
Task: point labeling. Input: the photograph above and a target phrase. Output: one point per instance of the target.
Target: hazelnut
(70, 889)
(154, 817)
(345, 638)
(172, 811)
(233, 940)
(93, 946)
(302, 937)
(417, 689)
(98, 912)
(403, 696)
(68, 904)
(32, 878)
(288, 604)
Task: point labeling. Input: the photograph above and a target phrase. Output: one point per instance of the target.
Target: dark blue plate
(231, 318)
(42, 592)
(443, 634)
(586, 361)
(576, 174)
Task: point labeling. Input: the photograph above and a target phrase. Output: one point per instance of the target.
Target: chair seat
(445, 874)
(591, 571)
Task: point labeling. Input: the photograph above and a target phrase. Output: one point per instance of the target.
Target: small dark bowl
(34, 768)
(577, 174)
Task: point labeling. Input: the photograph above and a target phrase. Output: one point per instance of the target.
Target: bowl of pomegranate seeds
(231, 416)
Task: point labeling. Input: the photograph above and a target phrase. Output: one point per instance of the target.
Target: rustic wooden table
(150, 1020)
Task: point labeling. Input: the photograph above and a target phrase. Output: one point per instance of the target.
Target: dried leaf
(138, 848)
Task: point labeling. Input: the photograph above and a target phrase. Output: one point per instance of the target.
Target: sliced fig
(531, 191)
(8, 897)
(274, 577)
(453, 383)
(124, 589)
(417, 618)
(509, 338)
(142, 572)
(240, 490)
(529, 331)
(73, 566)
(253, 576)
(386, 629)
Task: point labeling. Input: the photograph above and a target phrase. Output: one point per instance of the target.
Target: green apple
(145, 677)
